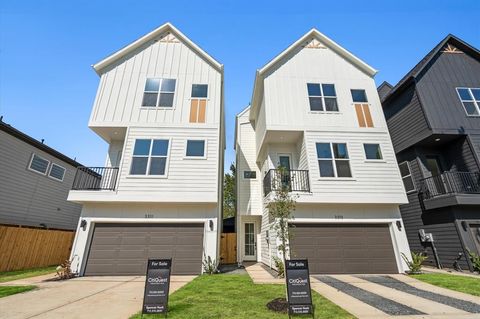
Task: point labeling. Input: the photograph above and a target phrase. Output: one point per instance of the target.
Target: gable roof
(383, 89)
(313, 33)
(425, 62)
(245, 110)
(35, 143)
(163, 29)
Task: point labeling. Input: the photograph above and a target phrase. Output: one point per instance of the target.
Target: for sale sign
(298, 287)
(157, 286)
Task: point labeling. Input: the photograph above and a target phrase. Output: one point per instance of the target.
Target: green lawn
(11, 290)
(235, 297)
(464, 284)
(21, 274)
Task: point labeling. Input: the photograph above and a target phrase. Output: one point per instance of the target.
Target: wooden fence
(25, 247)
(228, 248)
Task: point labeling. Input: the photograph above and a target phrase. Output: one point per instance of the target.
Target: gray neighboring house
(433, 115)
(34, 183)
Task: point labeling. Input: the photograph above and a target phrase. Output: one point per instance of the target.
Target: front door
(250, 242)
(435, 167)
(285, 162)
(475, 229)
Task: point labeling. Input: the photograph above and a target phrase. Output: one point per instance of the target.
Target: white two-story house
(159, 106)
(315, 112)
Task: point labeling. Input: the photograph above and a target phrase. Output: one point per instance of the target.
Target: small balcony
(293, 180)
(95, 178)
(451, 188)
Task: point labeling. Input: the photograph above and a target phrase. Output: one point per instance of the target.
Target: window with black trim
(249, 174)
(57, 172)
(159, 92)
(199, 90)
(322, 97)
(359, 96)
(149, 157)
(39, 164)
(195, 148)
(372, 151)
(470, 98)
(333, 160)
(407, 176)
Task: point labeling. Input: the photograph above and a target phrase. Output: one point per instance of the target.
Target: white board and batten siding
(120, 93)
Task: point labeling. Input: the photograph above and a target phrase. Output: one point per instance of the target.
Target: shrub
(209, 265)
(415, 265)
(280, 267)
(475, 259)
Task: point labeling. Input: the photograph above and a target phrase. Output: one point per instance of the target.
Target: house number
(338, 216)
(149, 216)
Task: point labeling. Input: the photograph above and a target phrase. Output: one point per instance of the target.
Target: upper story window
(322, 97)
(57, 172)
(372, 151)
(39, 164)
(149, 157)
(364, 117)
(470, 99)
(159, 92)
(406, 176)
(198, 104)
(249, 174)
(333, 160)
(195, 148)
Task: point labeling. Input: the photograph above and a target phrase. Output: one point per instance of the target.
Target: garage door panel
(345, 248)
(123, 249)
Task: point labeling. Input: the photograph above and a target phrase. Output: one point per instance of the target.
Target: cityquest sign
(157, 286)
(298, 287)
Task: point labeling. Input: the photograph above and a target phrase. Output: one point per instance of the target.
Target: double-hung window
(198, 104)
(333, 160)
(364, 117)
(39, 164)
(322, 97)
(159, 92)
(470, 99)
(406, 176)
(149, 157)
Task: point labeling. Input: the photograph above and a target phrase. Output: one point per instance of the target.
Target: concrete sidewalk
(85, 297)
(260, 275)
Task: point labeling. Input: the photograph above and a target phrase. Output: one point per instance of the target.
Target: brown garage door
(345, 248)
(123, 249)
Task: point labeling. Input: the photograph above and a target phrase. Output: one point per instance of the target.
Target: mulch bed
(278, 305)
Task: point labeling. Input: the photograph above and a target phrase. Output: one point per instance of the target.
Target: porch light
(399, 225)
(83, 224)
(210, 224)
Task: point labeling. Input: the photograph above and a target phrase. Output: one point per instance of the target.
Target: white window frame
(409, 175)
(205, 148)
(30, 165)
(323, 99)
(53, 177)
(373, 159)
(333, 159)
(157, 107)
(149, 156)
(475, 102)
(245, 178)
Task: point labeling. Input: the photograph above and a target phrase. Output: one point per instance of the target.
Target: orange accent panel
(361, 120)
(193, 111)
(201, 111)
(368, 116)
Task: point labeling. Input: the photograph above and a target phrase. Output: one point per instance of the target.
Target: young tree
(281, 209)
(229, 194)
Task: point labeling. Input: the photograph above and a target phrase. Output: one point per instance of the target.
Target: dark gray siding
(437, 90)
(28, 198)
(406, 121)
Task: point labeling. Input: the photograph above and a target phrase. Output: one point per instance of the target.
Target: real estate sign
(157, 285)
(298, 287)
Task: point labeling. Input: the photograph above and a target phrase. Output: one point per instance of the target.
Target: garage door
(123, 249)
(345, 248)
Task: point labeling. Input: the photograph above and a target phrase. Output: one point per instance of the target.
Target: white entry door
(249, 241)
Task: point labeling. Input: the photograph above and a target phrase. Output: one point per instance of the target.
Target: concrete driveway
(86, 297)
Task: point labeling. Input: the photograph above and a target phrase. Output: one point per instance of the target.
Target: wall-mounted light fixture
(83, 224)
(464, 225)
(43, 225)
(399, 225)
(210, 224)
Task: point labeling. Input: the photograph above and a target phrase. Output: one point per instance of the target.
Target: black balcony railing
(451, 183)
(95, 178)
(293, 180)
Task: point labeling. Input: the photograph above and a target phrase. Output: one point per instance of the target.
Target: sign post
(299, 294)
(157, 286)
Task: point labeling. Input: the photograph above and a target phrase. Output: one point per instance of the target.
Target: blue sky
(47, 85)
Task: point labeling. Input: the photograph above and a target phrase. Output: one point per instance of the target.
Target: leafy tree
(281, 209)
(229, 194)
